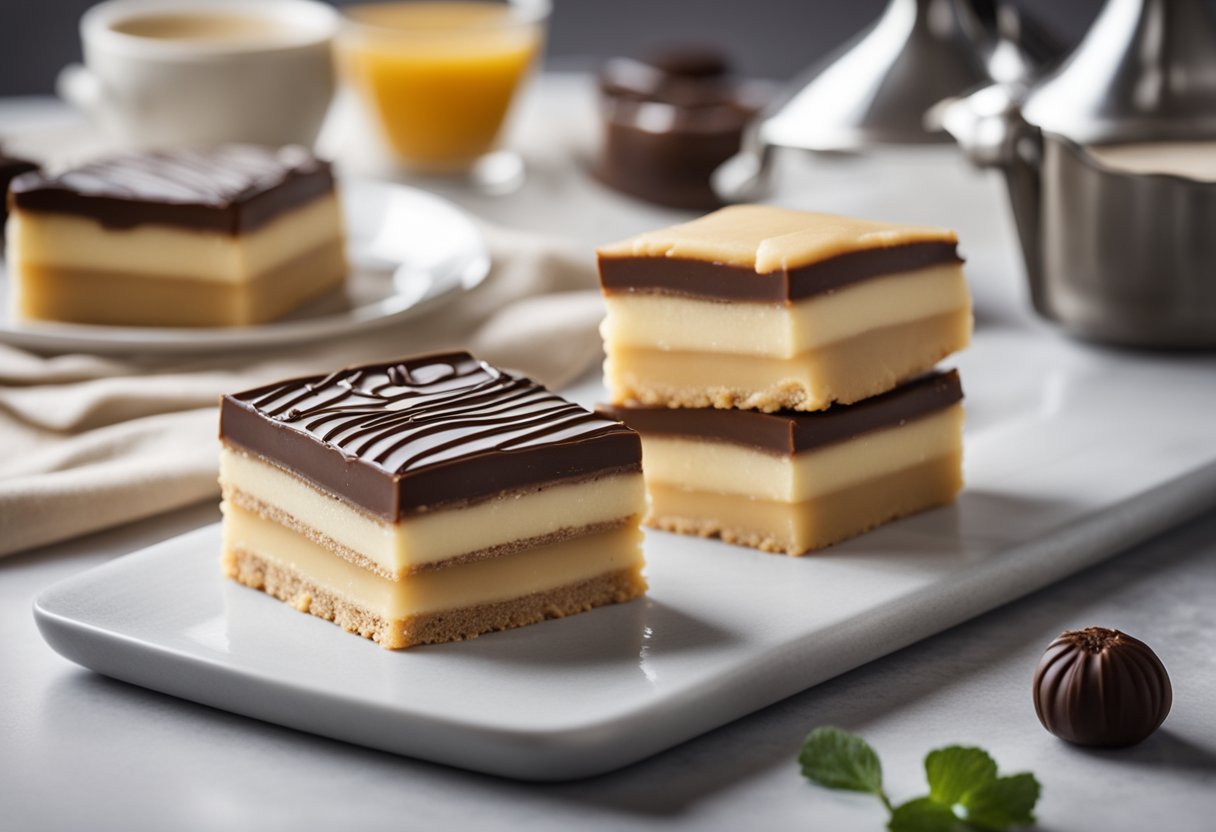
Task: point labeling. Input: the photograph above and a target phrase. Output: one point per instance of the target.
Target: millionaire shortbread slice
(429, 499)
(230, 236)
(766, 308)
(794, 482)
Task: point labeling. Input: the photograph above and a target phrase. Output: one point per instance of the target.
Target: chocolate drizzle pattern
(231, 187)
(403, 417)
(419, 423)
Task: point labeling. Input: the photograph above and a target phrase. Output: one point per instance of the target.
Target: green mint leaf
(956, 770)
(840, 760)
(1002, 803)
(923, 815)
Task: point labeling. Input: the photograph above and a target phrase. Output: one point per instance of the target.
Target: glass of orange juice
(439, 77)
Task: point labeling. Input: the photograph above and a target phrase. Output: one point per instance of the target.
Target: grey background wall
(769, 38)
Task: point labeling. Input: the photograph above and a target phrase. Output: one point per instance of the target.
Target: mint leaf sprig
(965, 791)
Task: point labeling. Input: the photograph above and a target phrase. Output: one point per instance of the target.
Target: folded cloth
(89, 442)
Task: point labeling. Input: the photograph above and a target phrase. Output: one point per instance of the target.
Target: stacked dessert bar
(428, 500)
(779, 367)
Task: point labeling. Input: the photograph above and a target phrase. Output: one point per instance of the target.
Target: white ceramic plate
(1073, 453)
(409, 251)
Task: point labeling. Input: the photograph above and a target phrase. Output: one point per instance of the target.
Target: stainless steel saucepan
(1110, 164)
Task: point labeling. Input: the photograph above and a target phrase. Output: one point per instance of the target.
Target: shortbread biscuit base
(811, 525)
(843, 373)
(76, 295)
(431, 628)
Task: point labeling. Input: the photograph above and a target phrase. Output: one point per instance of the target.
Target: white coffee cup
(271, 83)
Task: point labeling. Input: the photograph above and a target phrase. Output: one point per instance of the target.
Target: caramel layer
(845, 371)
(305, 595)
(87, 296)
(797, 528)
(782, 330)
(491, 528)
(483, 582)
(70, 243)
(728, 468)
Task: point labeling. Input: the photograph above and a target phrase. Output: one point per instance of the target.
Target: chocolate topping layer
(231, 188)
(669, 122)
(787, 433)
(718, 281)
(10, 168)
(410, 435)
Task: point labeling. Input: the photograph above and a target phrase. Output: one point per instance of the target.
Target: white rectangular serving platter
(1072, 454)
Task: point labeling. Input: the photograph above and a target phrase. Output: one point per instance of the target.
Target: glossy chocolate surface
(428, 431)
(231, 188)
(787, 433)
(1100, 687)
(669, 122)
(717, 281)
(10, 168)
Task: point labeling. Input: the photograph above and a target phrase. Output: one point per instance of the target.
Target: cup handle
(78, 86)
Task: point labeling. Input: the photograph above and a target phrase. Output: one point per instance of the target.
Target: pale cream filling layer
(71, 242)
(468, 585)
(727, 468)
(777, 330)
(846, 371)
(433, 537)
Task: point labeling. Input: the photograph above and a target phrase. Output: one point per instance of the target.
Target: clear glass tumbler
(439, 78)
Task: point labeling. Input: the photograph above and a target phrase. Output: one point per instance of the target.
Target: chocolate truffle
(1101, 688)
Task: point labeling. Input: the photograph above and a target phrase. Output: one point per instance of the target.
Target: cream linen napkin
(89, 442)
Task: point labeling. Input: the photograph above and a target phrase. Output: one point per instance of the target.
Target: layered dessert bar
(231, 236)
(429, 500)
(793, 482)
(10, 168)
(766, 308)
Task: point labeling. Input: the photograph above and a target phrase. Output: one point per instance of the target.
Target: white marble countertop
(78, 751)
